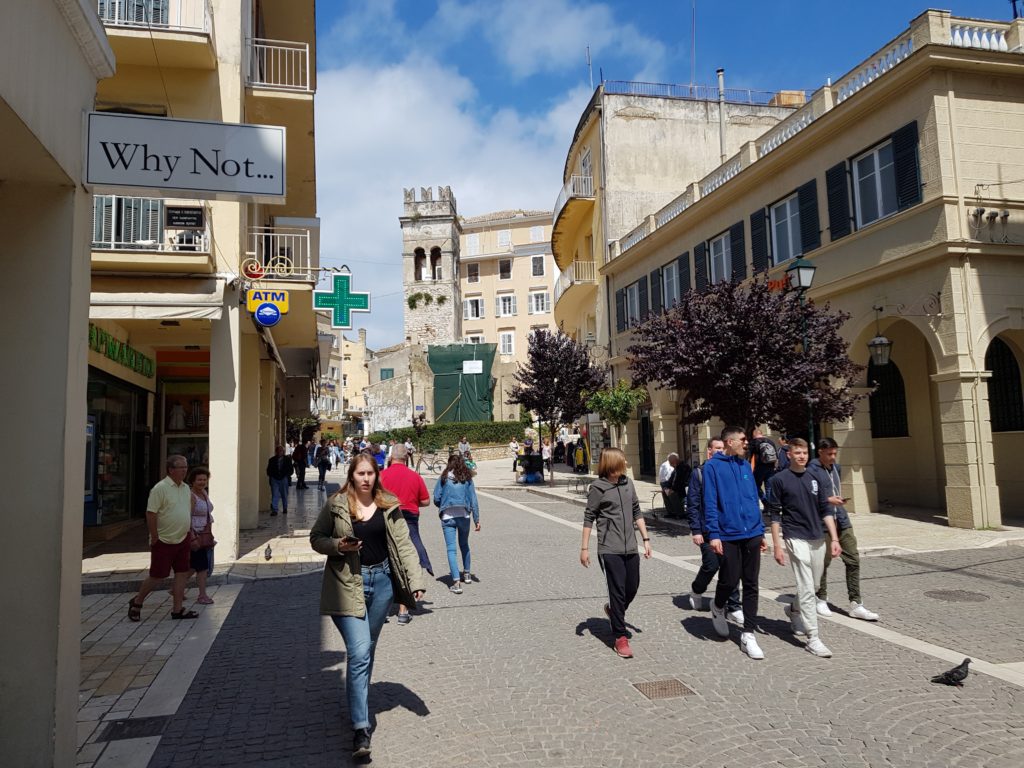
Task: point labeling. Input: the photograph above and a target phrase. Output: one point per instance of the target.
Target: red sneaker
(622, 648)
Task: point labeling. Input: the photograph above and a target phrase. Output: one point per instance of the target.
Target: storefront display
(185, 417)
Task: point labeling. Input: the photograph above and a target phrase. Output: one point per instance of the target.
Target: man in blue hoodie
(732, 516)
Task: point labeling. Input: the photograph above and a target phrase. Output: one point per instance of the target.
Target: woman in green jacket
(371, 562)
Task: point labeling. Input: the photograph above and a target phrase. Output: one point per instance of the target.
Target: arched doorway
(1006, 417)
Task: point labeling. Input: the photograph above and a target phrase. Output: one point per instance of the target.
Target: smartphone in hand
(845, 499)
(350, 540)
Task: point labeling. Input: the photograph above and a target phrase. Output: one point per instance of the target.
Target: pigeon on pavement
(268, 553)
(954, 676)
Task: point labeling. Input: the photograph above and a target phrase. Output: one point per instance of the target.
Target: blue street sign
(267, 315)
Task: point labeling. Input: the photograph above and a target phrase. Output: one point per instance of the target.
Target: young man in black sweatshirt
(799, 505)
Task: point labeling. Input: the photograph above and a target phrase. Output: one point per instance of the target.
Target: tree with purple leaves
(736, 352)
(556, 381)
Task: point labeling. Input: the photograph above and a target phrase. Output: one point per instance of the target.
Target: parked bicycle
(432, 462)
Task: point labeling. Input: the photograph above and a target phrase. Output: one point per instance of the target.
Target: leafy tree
(737, 353)
(556, 379)
(616, 405)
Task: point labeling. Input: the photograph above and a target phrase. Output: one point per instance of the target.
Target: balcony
(278, 65)
(572, 289)
(149, 234)
(165, 33)
(575, 202)
(281, 253)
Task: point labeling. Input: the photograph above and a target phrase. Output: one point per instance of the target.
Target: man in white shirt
(673, 504)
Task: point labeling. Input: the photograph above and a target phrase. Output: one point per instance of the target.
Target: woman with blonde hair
(614, 506)
(371, 562)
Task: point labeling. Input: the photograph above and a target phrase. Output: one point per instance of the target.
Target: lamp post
(879, 347)
(801, 277)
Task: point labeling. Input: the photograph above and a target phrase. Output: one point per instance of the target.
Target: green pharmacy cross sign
(342, 301)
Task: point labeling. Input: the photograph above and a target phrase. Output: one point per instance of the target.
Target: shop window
(1005, 398)
(888, 403)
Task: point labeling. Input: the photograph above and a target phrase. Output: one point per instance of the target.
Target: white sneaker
(858, 611)
(696, 601)
(750, 647)
(818, 648)
(718, 619)
(796, 621)
(823, 609)
(736, 616)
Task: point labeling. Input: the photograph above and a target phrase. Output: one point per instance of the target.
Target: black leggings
(622, 572)
(740, 560)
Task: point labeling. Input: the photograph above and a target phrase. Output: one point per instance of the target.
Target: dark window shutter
(904, 158)
(656, 291)
(684, 273)
(642, 290)
(700, 267)
(620, 310)
(810, 232)
(838, 194)
(738, 251)
(759, 241)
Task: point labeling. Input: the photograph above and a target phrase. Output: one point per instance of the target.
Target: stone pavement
(518, 669)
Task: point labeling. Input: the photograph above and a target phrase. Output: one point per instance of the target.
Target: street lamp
(880, 347)
(801, 277)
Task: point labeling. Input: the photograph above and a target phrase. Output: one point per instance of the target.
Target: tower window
(420, 265)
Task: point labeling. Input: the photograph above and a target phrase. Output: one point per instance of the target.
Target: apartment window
(472, 273)
(536, 234)
(473, 244)
(333, 372)
(504, 238)
(344, 379)
(387, 373)
(505, 305)
(537, 266)
(633, 304)
(505, 269)
(874, 176)
(540, 303)
(507, 342)
(670, 285)
(127, 222)
(472, 309)
(586, 167)
(475, 338)
(721, 258)
(786, 243)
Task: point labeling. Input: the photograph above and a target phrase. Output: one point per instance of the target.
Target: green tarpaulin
(462, 396)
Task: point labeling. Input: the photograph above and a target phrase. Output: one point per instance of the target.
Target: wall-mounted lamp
(880, 347)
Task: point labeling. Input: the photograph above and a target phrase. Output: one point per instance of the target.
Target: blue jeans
(458, 526)
(413, 521)
(360, 635)
(279, 492)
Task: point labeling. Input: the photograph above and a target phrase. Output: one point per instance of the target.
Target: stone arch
(1004, 356)
(419, 263)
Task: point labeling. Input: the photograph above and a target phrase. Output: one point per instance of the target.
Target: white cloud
(417, 123)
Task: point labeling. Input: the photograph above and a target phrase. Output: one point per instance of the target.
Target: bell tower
(430, 267)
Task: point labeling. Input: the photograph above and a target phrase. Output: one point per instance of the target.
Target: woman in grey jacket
(613, 504)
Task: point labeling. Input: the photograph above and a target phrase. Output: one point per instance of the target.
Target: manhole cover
(956, 596)
(663, 689)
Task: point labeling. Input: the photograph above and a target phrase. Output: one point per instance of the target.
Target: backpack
(766, 452)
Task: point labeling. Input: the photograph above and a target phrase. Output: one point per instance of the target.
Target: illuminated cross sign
(342, 301)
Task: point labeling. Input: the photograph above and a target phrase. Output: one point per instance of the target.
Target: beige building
(901, 183)
(344, 375)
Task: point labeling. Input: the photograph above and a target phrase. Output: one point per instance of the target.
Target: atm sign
(257, 296)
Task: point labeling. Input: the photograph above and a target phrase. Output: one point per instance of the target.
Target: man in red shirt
(410, 490)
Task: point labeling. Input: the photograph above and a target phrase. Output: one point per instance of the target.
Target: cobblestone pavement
(518, 671)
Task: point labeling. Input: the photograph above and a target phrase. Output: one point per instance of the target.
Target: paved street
(518, 669)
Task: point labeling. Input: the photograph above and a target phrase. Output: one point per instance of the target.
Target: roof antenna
(1016, 11)
(590, 68)
(693, 43)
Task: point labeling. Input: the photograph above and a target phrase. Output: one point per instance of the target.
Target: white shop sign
(161, 155)
(472, 366)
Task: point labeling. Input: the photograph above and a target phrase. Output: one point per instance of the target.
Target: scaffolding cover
(459, 396)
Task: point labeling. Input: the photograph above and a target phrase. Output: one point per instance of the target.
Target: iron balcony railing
(696, 92)
(578, 273)
(576, 186)
(279, 64)
(145, 224)
(172, 15)
(280, 253)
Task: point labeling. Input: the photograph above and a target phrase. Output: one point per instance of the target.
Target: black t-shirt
(374, 537)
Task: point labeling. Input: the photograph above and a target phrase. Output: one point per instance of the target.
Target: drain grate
(956, 596)
(663, 689)
(133, 728)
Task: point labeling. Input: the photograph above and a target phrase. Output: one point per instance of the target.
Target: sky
(484, 95)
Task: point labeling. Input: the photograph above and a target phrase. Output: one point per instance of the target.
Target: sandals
(184, 615)
(134, 611)
(205, 600)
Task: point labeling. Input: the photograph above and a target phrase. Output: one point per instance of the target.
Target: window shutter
(465, 309)
(759, 240)
(513, 297)
(656, 291)
(738, 251)
(103, 220)
(642, 291)
(700, 267)
(620, 310)
(838, 195)
(497, 306)
(904, 157)
(810, 232)
(683, 273)
(547, 302)
(480, 303)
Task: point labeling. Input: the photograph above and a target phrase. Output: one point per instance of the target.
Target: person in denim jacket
(455, 496)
